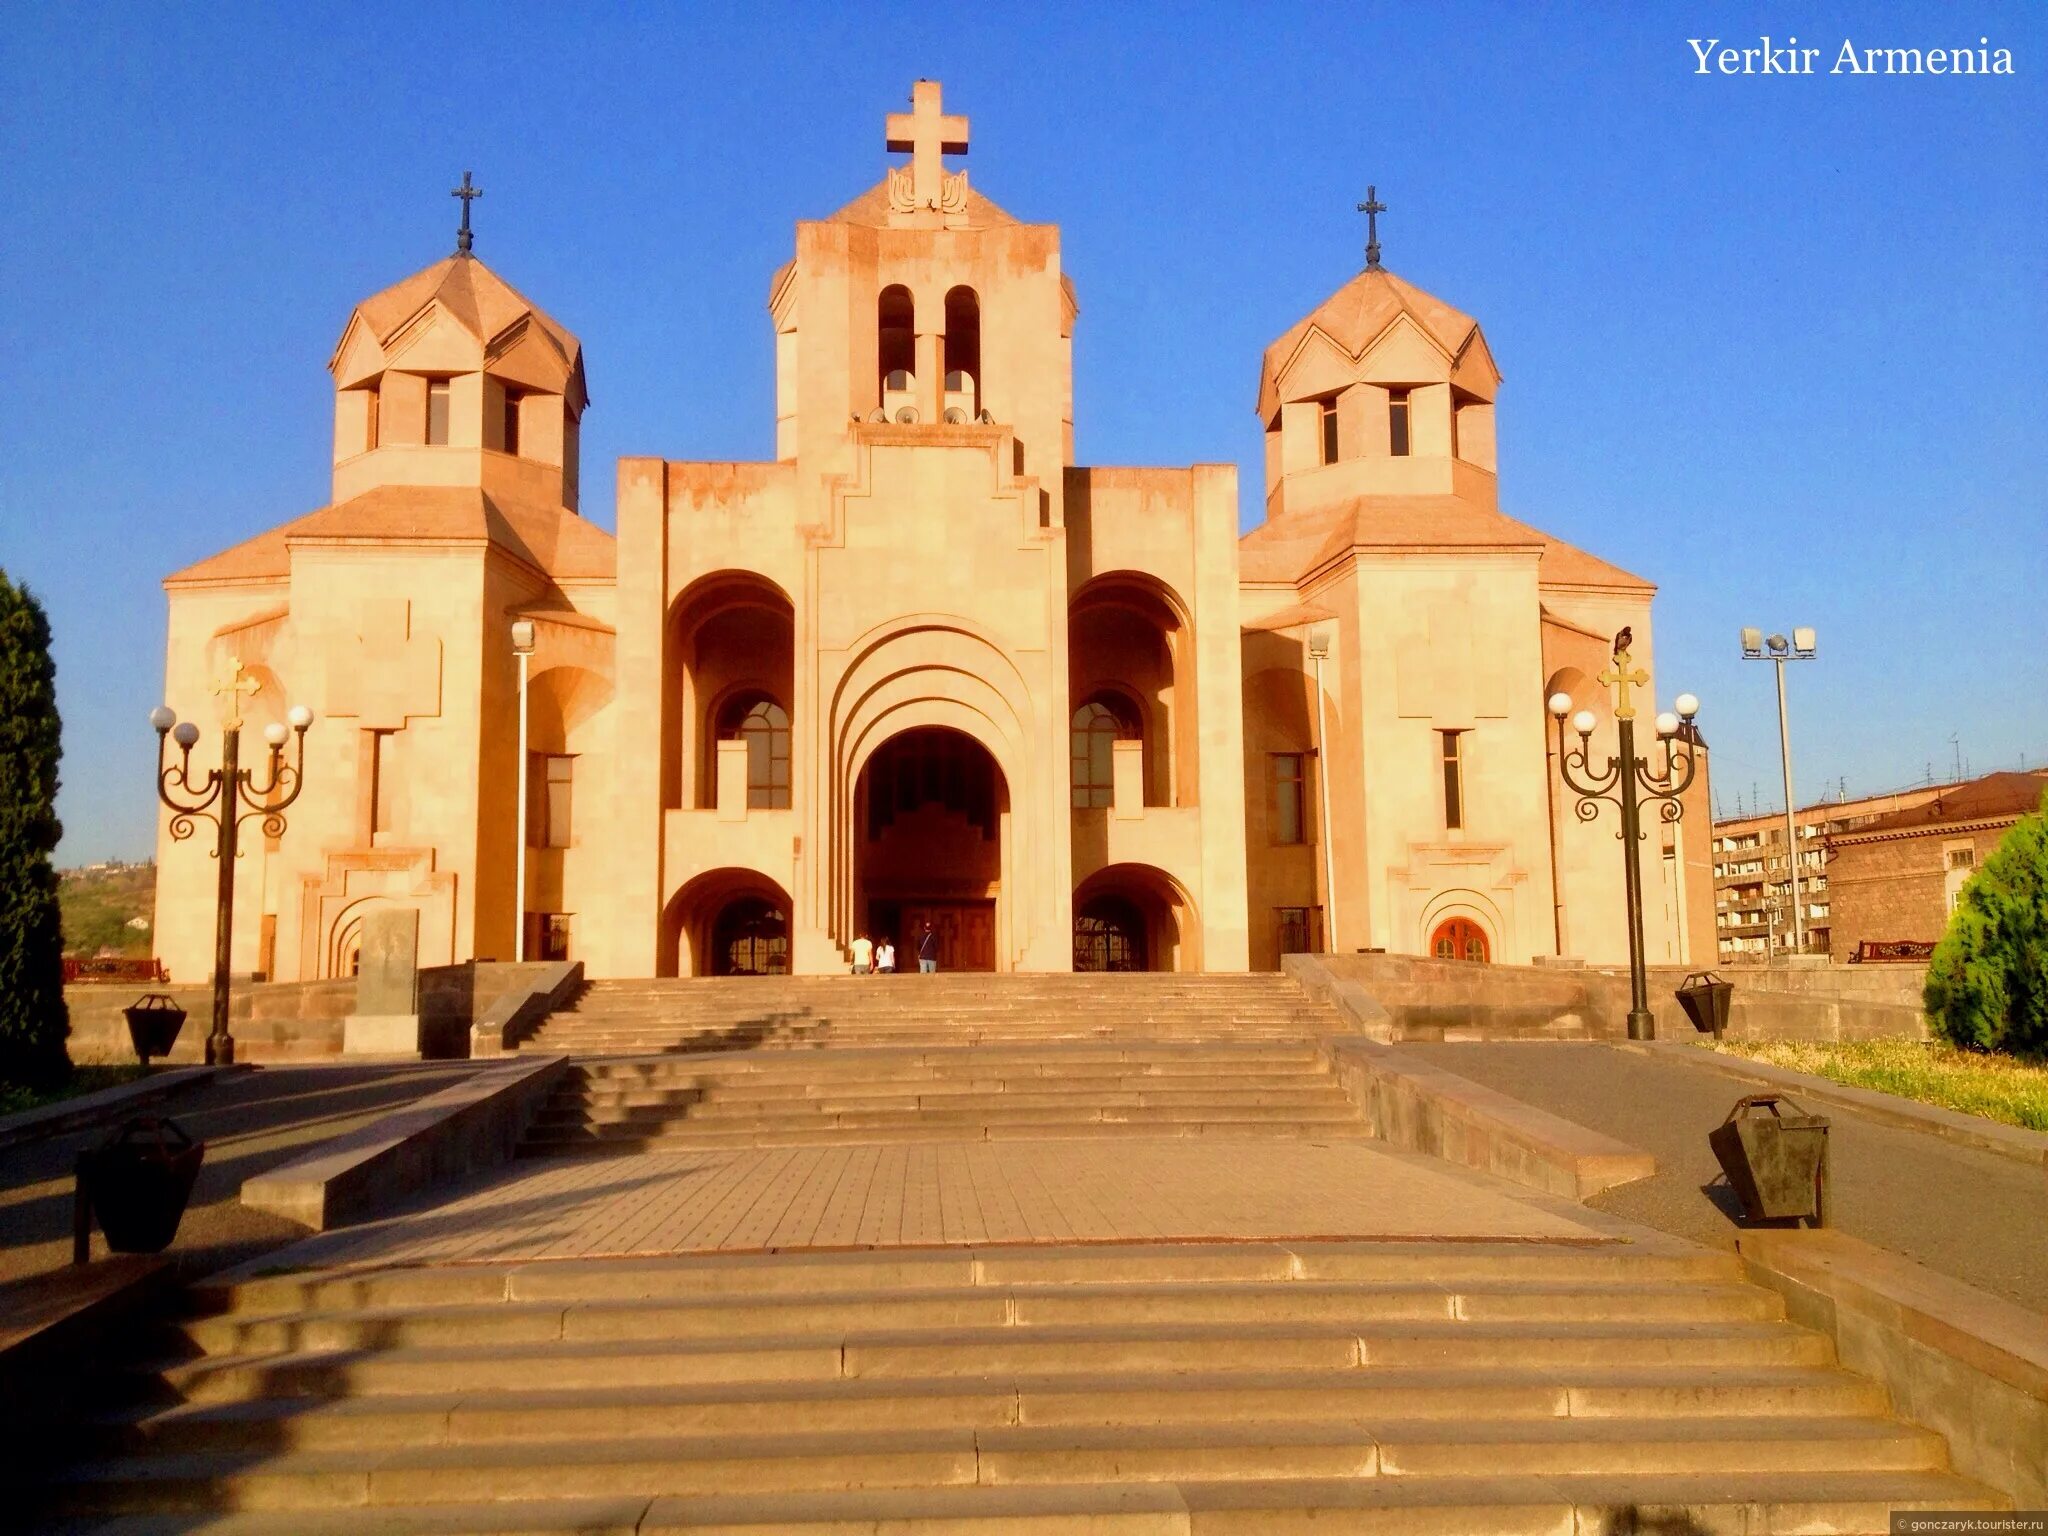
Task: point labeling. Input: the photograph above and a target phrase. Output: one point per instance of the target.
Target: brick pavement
(949, 1193)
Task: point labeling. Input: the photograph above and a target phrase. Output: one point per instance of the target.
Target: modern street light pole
(220, 798)
(1757, 647)
(1628, 781)
(522, 647)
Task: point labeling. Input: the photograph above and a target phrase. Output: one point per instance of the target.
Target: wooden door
(1459, 939)
(966, 930)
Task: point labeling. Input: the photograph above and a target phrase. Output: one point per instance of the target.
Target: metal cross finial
(1622, 677)
(468, 194)
(1372, 208)
(230, 688)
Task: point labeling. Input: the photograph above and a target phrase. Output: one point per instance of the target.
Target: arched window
(1459, 938)
(963, 352)
(1098, 727)
(763, 725)
(895, 338)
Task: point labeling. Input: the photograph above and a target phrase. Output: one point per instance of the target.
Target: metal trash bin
(137, 1182)
(1777, 1163)
(154, 1020)
(1705, 998)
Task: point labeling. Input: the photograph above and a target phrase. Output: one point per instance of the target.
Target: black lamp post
(220, 798)
(1628, 781)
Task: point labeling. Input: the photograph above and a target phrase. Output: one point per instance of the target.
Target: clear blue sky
(1776, 343)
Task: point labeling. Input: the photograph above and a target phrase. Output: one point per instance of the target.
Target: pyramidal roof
(1356, 315)
(469, 293)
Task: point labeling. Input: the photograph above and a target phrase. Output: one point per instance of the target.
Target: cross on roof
(468, 194)
(926, 134)
(230, 688)
(1372, 208)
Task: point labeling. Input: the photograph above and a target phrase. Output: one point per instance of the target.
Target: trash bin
(154, 1020)
(1776, 1162)
(137, 1182)
(1705, 998)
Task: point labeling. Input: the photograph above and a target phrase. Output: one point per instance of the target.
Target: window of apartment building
(437, 412)
(550, 782)
(1397, 422)
(1958, 863)
(1290, 800)
(1330, 431)
(1454, 779)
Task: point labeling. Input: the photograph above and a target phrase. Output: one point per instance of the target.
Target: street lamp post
(522, 647)
(1629, 781)
(1318, 652)
(1757, 647)
(220, 798)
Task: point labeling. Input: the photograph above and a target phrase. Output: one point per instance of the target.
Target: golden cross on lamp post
(925, 133)
(1621, 677)
(230, 688)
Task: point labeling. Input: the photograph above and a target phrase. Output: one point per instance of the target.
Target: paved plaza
(947, 1193)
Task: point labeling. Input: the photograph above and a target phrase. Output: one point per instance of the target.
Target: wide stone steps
(1038, 1090)
(1344, 1387)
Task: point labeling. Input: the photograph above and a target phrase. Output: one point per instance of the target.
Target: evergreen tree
(33, 1021)
(1987, 987)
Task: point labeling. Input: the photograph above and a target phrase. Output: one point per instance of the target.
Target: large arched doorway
(726, 922)
(1134, 917)
(929, 807)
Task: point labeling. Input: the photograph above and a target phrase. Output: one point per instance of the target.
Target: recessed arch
(729, 632)
(724, 922)
(1473, 907)
(1130, 633)
(1168, 924)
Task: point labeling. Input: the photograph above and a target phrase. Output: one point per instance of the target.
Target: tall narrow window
(383, 781)
(765, 730)
(1330, 431)
(1397, 422)
(1290, 802)
(1096, 732)
(511, 432)
(437, 411)
(1454, 779)
(895, 338)
(550, 783)
(963, 352)
(370, 418)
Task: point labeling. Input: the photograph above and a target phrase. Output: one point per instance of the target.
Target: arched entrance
(1134, 917)
(1459, 938)
(929, 807)
(726, 922)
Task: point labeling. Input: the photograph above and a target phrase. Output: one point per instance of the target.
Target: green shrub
(33, 1023)
(1987, 987)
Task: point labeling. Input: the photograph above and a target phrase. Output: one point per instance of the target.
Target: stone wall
(1427, 999)
(1895, 888)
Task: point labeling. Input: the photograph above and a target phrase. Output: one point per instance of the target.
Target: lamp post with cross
(468, 194)
(1628, 781)
(220, 798)
(1372, 208)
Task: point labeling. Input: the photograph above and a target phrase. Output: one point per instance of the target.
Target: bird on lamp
(1624, 639)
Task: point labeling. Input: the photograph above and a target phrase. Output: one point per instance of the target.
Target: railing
(113, 968)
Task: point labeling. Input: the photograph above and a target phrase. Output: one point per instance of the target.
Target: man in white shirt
(863, 955)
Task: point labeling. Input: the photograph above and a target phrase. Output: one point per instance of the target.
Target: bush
(1987, 987)
(33, 1023)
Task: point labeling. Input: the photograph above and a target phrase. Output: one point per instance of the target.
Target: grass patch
(2010, 1089)
(13, 1099)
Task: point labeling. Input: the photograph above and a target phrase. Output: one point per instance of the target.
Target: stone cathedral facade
(922, 667)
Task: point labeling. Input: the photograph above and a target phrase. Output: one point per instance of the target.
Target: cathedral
(921, 671)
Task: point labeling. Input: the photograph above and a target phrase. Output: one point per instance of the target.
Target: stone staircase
(797, 1061)
(1195, 1390)
(678, 1017)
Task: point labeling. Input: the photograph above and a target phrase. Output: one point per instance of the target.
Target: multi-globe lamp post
(227, 796)
(1629, 782)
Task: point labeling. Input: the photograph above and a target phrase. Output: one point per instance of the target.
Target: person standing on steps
(927, 951)
(885, 957)
(863, 955)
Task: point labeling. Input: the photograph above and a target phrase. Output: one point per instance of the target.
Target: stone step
(1844, 1504)
(977, 1351)
(274, 1423)
(1451, 1265)
(1105, 1306)
(730, 1095)
(993, 1109)
(940, 1456)
(684, 1136)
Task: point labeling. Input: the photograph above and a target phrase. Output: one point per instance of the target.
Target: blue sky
(1776, 343)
